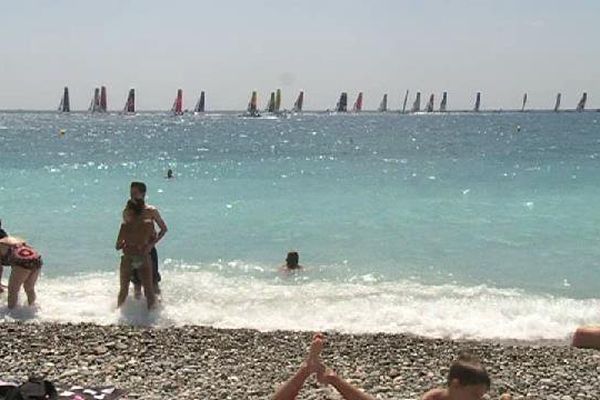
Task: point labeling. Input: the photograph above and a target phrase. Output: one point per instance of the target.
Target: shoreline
(196, 362)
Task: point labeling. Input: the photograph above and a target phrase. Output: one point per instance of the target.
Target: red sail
(178, 104)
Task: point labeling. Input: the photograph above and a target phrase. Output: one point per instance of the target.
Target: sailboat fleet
(99, 103)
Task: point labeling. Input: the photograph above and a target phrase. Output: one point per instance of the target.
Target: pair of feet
(313, 362)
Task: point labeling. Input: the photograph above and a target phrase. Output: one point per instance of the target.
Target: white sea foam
(201, 297)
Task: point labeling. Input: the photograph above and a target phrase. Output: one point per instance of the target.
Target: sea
(457, 225)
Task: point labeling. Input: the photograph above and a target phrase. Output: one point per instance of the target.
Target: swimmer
(170, 174)
(291, 262)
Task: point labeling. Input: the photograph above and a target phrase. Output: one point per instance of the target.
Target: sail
(405, 101)
(252, 105)
(477, 102)
(177, 107)
(65, 104)
(271, 104)
(103, 102)
(444, 102)
(581, 104)
(95, 103)
(299, 102)
(417, 104)
(342, 105)
(524, 102)
(383, 105)
(277, 102)
(357, 107)
(557, 104)
(130, 103)
(429, 107)
(199, 107)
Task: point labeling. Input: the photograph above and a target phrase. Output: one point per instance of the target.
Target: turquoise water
(446, 225)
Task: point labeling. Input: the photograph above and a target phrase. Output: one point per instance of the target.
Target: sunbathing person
(313, 365)
(135, 235)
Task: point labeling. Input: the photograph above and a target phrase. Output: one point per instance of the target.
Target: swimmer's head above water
(292, 260)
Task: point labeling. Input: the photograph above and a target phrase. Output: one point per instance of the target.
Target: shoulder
(435, 394)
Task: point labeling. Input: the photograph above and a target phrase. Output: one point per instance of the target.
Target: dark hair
(467, 369)
(137, 206)
(292, 258)
(141, 186)
(3, 233)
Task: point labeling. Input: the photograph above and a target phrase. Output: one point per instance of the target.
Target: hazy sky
(228, 48)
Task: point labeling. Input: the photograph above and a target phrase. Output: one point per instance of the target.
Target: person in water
(170, 174)
(138, 192)
(25, 263)
(135, 236)
(467, 379)
(3, 234)
(313, 365)
(292, 262)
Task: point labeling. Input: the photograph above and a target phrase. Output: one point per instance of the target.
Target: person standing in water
(138, 192)
(292, 262)
(3, 234)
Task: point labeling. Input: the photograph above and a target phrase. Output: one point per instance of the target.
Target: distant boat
(130, 103)
(557, 104)
(417, 103)
(271, 104)
(95, 103)
(581, 104)
(404, 103)
(477, 102)
(524, 102)
(383, 107)
(65, 103)
(103, 101)
(444, 102)
(342, 104)
(299, 102)
(199, 108)
(177, 108)
(358, 104)
(277, 102)
(429, 107)
(252, 110)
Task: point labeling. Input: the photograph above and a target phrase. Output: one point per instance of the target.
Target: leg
(156, 278)
(137, 284)
(1, 272)
(347, 391)
(145, 272)
(124, 277)
(290, 389)
(29, 285)
(18, 276)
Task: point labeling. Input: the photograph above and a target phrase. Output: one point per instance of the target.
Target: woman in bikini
(25, 263)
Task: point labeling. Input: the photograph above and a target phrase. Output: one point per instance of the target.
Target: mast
(383, 105)
(130, 103)
(444, 102)
(199, 108)
(557, 104)
(103, 103)
(65, 104)
(177, 107)
(277, 100)
(252, 105)
(477, 102)
(581, 104)
(430, 104)
(271, 103)
(357, 107)
(299, 102)
(95, 103)
(524, 102)
(417, 104)
(342, 105)
(404, 104)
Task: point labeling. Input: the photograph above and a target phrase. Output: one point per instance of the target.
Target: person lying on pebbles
(467, 380)
(313, 365)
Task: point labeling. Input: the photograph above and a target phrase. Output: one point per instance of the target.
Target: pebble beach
(194, 362)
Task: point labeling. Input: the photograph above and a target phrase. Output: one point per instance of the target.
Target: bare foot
(325, 374)
(313, 360)
(506, 396)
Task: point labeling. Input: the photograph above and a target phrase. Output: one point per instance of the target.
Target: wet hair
(141, 186)
(292, 258)
(468, 371)
(135, 206)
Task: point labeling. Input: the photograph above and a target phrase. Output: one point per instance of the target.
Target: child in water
(135, 236)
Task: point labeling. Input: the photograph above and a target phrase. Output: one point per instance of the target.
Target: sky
(502, 48)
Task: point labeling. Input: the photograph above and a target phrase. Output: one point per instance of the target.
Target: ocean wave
(207, 297)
